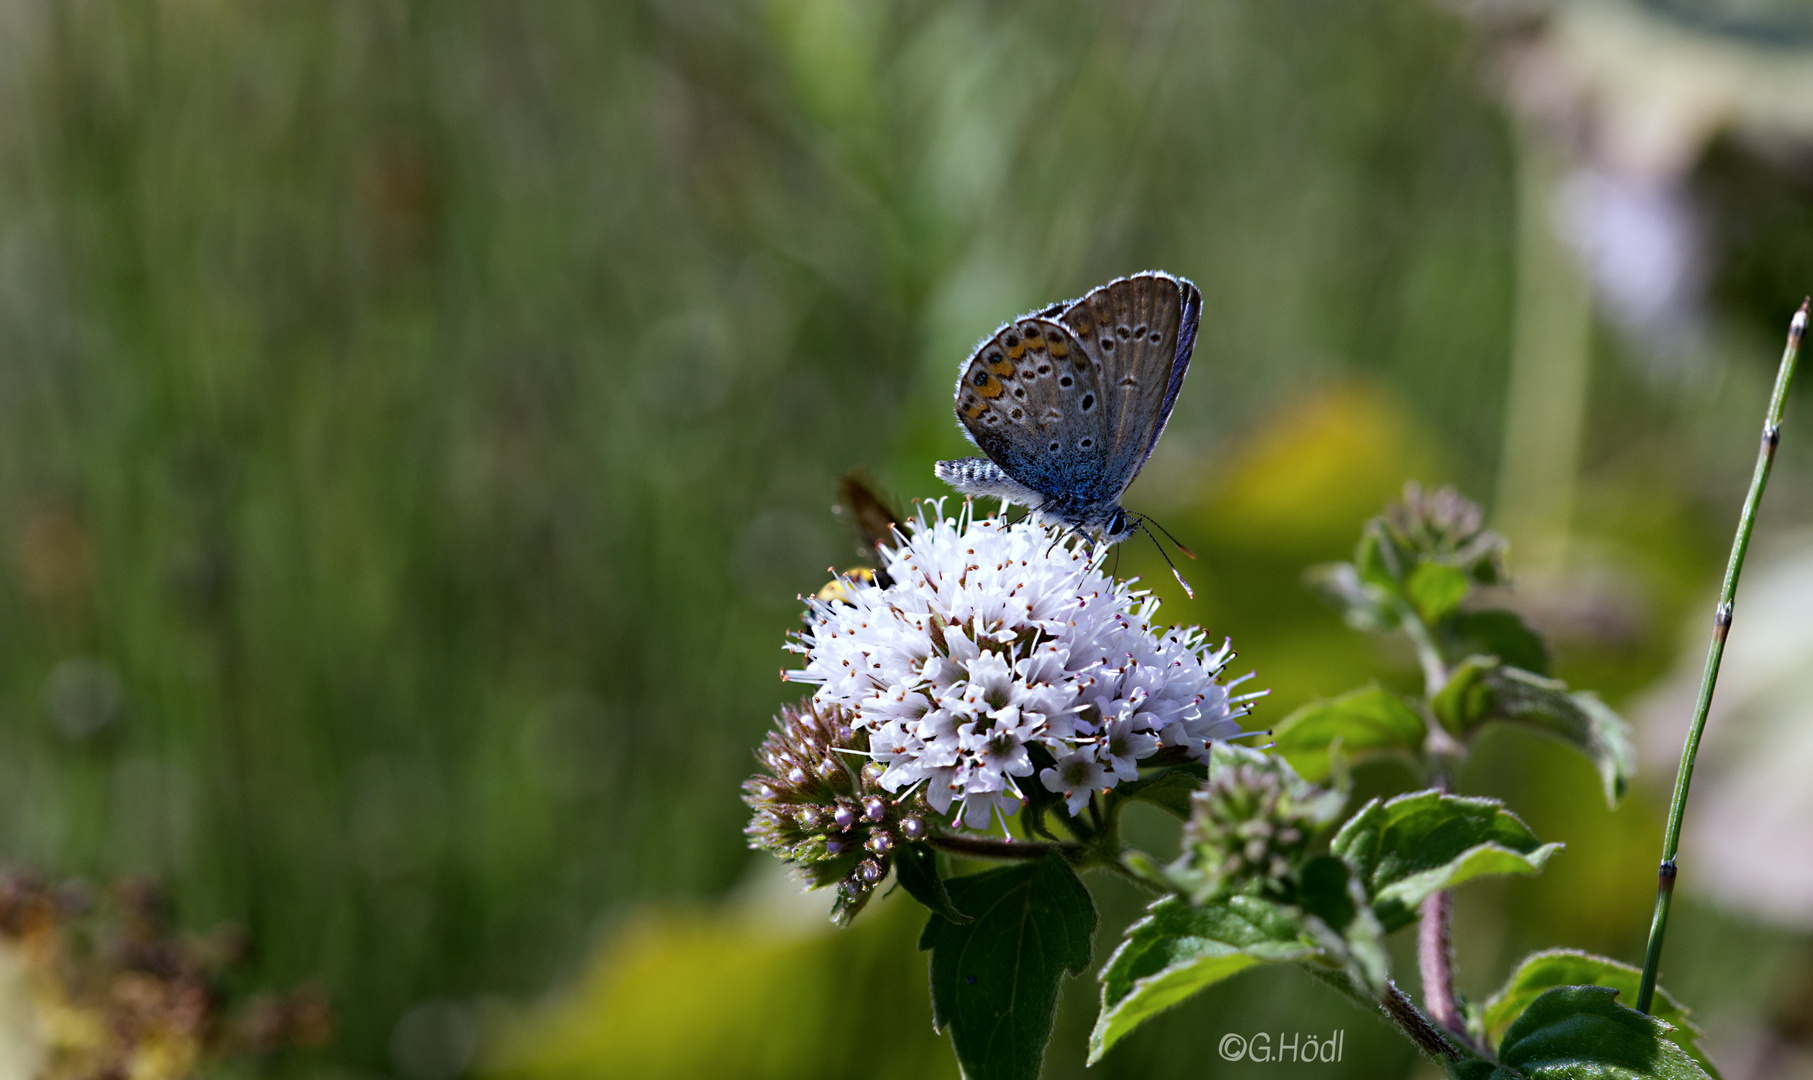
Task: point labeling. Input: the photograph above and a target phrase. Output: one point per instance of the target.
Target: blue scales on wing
(1069, 402)
(1030, 398)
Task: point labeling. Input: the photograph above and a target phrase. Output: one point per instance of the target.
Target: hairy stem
(1428, 654)
(982, 848)
(1435, 962)
(1414, 1024)
(1721, 627)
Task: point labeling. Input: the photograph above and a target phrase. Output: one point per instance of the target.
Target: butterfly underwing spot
(1085, 443)
(1066, 381)
(1015, 347)
(1129, 381)
(1018, 414)
(998, 364)
(1107, 343)
(989, 386)
(1088, 403)
(1044, 369)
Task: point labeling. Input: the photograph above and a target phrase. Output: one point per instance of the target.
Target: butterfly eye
(1117, 523)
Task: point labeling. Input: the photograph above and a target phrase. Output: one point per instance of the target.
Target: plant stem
(980, 848)
(1721, 627)
(1435, 667)
(1404, 1014)
(1435, 962)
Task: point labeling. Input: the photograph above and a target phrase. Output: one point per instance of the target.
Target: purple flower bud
(913, 829)
(870, 871)
(797, 776)
(880, 842)
(808, 817)
(875, 808)
(871, 773)
(844, 818)
(835, 846)
(845, 736)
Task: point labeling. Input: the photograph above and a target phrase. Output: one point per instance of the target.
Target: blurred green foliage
(416, 420)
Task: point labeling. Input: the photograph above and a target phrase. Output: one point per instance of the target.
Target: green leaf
(1571, 967)
(1427, 841)
(1352, 938)
(1365, 605)
(1482, 690)
(1178, 950)
(1492, 632)
(1369, 721)
(1436, 590)
(916, 868)
(1169, 790)
(1581, 1033)
(995, 979)
(1475, 1069)
(1465, 701)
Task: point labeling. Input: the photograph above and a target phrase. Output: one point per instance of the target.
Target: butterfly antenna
(1187, 591)
(1169, 537)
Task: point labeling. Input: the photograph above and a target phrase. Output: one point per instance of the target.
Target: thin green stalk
(1721, 627)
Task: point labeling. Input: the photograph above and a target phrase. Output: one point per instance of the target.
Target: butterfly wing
(1139, 332)
(1031, 398)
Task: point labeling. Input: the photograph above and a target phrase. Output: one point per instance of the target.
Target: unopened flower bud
(880, 842)
(830, 769)
(835, 846)
(796, 776)
(870, 871)
(844, 817)
(875, 808)
(871, 773)
(913, 829)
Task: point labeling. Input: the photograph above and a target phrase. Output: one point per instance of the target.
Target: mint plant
(987, 691)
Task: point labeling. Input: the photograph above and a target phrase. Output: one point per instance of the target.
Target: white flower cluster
(990, 638)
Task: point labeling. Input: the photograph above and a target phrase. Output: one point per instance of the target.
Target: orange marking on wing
(993, 390)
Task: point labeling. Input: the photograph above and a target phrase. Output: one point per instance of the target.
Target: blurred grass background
(417, 419)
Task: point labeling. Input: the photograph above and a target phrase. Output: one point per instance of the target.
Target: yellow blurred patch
(1316, 467)
(719, 992)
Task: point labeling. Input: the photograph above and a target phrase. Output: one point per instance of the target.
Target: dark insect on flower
(869, 513)
(819, 804)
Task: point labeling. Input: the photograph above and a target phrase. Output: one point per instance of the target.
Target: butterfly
(1069, 401)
